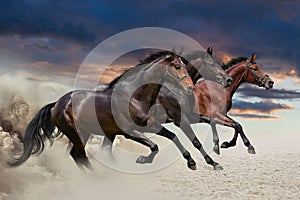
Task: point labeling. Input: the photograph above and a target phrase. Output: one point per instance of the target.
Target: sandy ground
(273, 173)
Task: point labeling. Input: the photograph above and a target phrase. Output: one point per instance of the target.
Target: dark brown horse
(74, 114)
(179, 106)
(214, 101)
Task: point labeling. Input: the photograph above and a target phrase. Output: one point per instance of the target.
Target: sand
(273, 173)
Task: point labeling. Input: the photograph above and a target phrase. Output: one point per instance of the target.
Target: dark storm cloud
(264, 106)
(283, 94)
(268, 28)
(45, 18)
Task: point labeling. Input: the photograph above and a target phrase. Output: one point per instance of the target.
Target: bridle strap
(167, 74)
(256, 78)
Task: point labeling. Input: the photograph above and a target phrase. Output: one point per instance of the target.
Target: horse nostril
(229, 81)
(271, 83)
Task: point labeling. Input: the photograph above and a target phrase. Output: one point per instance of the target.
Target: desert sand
(273, 173)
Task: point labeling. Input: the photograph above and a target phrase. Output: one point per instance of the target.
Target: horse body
(214, 101)
(73, 113)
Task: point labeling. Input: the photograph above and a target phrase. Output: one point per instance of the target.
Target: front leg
(171, 136)
(227, 121)
(198, 118)
(139, 137)
(187, 129)
(215, 138)
(232, 143)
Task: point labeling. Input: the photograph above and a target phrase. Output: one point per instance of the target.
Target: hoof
(142, 160)
(217, 149)
(251, 150)
(192, 165)
(218, 167)
(225, 145)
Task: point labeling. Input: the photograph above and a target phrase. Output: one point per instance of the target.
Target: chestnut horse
(79, 104)
(214, 101)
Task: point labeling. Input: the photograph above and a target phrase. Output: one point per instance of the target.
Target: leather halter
(167, 74)
(259, 80)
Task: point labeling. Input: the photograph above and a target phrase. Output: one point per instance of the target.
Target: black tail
(37, 131)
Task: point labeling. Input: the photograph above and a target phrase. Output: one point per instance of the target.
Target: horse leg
(232, 142)
(227, 121)
(139, 137)
(246, 141)
(171, 136)
(77, 152)
(187, 129)
(215, 138)
(204, 119)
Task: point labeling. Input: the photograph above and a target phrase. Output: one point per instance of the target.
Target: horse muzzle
(269, 84)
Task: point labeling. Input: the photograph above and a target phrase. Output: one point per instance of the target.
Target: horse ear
(181, 51)
(253, 57)
(209, 51)
(173, 49)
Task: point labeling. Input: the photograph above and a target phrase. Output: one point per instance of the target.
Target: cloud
(263, 106)
(28, 18)
(257, 110)
(64, 34)
(253, 116)
(283, 94)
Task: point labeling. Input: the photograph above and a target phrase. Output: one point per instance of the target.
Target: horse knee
(238, 127)
(216, 140)
(197, 144)
(167, 134)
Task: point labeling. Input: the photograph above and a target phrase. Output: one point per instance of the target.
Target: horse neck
(152, 77)
(237, 74)
(193, 72)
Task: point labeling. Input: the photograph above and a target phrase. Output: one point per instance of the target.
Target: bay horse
(214, 101)
(179, 106)
(64, 114)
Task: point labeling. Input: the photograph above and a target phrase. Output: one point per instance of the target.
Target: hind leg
(77, 152)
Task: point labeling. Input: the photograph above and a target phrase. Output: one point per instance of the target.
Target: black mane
(232, 62)
(150, 58)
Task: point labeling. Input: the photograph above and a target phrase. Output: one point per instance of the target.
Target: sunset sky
(44, 42)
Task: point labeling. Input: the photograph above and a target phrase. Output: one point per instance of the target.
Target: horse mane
(153, 56)
(150, 58)
(114, 82)
(232, 62)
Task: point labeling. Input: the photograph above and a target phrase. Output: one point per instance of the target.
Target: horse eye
(177, 66)
(255, 69)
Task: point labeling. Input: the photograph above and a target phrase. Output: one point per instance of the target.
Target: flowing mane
(150, 58)
(232, 62)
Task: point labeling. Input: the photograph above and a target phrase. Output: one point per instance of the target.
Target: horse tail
(37, 131)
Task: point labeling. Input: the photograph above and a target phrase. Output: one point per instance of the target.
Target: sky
(43, 43)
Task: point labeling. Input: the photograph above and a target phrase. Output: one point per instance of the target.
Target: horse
(179, 106)
(215, 102)
(64, 114)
